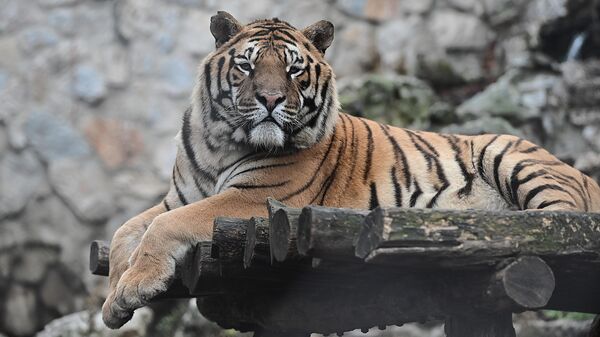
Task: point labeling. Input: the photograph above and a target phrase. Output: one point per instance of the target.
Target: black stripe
(312, 180)
(480, 167)
(554, 202)
(497, 162)
(250, 186)
(182, 198)
(415, 195)
(534, 192)
(189, 151)
(167, 207)
(373, 199)
(370, 146)
(397, 189)
(426, 155)
(338, 161)
(467, 176)
(531, 149)
(445, 184)
(263, 167)
(398, 152)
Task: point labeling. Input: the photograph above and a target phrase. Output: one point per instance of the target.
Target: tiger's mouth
(267, 134)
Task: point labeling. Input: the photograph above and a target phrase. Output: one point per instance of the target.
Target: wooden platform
(331, 270)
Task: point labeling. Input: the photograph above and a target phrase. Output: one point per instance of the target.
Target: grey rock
(84, 187)
(194, 37)
(54, 138)
(63, 21)
(85, 323)
(137, 19)
(60, 290)
(33, 261)
(395, 100)
(355, 36)
(21, 177)
(456, 30)
(118, 67)
(89, 84)
(408, 46)
(473, 6)
(483, 125)
(34, 39)
(3, 141)
(57, 3)
(179, 77)
(499, 12)
(588, 162)
(19, 315)
(517, 96)
(380, 10)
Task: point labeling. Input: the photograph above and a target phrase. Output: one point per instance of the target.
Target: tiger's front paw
(145, 279)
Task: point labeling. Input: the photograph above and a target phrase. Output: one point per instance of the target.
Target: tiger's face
(269, 82)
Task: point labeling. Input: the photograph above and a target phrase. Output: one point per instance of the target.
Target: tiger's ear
(223, 27)
(320, 34)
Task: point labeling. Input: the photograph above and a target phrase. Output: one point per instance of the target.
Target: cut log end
(529, 282)
(280, 235)
(99, 252)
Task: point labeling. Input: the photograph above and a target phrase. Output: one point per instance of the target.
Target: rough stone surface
(20, 178)
(54, 138)
(19, 316)
(90, 324)
(89, 84)
(84, 187)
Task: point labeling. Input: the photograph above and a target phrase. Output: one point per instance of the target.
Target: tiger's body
(265, 122)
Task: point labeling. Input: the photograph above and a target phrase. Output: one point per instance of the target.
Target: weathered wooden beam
(459, 238)
(329, 233)
(282, 231)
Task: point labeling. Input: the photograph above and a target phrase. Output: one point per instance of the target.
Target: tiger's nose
(270, 100)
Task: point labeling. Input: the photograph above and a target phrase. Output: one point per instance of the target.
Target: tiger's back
(365, 164)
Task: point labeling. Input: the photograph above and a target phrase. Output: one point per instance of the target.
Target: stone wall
(92, 93)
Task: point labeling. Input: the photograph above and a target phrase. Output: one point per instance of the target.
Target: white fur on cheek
(267, 135)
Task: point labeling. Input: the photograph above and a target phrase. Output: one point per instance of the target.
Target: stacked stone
(36, 287)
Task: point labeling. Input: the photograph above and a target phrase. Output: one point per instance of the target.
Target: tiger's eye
(295, 70)
(245, 66)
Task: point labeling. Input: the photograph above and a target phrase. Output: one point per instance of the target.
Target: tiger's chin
(267, 135)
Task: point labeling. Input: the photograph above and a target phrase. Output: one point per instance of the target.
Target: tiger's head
(267, 84)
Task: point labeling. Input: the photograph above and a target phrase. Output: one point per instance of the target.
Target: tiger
(265, 121)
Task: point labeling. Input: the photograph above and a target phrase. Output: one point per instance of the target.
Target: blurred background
(92, 93)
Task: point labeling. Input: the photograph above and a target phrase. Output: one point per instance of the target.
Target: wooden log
(282, 231)
(229, 235)
(458, 238)
(99, 252)
(527, 283)
(480, 325)
(329, 233)
(256, 247)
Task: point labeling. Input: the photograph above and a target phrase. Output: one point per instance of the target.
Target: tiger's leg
(125, 241)
(165, 244)
(529, 177)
